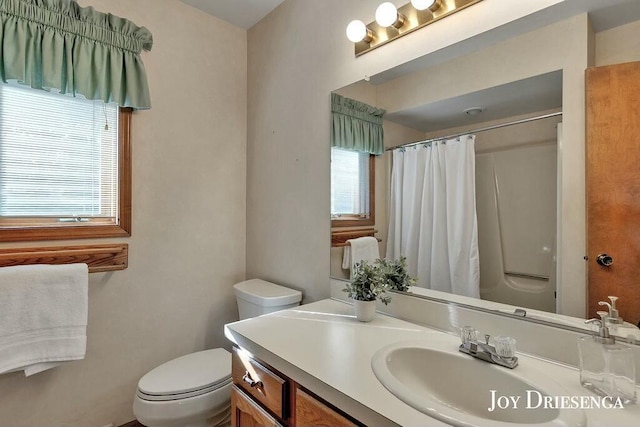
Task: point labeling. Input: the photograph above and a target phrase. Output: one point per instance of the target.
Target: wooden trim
(24, 232)
(339, 238)
(371, 220)
(99, 258)
(125, 170)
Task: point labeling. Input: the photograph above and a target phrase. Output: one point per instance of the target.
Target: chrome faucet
(504, 356)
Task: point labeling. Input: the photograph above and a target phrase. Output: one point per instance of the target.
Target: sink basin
(436, 379)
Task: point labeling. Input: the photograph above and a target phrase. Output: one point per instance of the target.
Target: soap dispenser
(607, 367)
(612, 318)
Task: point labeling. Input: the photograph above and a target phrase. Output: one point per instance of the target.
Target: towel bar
(339, 238)
(99, 258)
(527, 276)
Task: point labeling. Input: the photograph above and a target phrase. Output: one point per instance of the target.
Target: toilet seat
(187, 376)
(179, 396)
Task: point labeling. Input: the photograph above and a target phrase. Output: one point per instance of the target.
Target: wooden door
(311, 412)
(246, 413)
(613, 186)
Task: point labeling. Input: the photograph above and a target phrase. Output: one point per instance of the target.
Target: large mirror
(519, 106)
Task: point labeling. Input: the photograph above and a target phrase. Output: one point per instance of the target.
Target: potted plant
(365, 287)
(394, 274)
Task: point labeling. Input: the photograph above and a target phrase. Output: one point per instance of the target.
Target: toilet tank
(256, 297)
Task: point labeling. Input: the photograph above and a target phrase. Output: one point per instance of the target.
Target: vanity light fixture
(392, 22)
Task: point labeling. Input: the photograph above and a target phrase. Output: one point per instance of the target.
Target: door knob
(604, 260)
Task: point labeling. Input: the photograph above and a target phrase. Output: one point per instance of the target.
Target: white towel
(43, 316)
(360, 249)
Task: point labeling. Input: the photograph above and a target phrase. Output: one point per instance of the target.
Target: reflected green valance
(356, 126)
(58, 45)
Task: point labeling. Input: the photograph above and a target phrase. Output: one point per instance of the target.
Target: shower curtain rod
(516, 122)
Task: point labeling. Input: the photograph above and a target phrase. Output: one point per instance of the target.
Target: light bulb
(422, 4)
(356, 31)
(386, 14)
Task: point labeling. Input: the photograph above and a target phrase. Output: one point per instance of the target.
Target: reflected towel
(43, 316)
(360, 249)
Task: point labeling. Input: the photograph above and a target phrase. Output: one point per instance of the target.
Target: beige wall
(618, 45)
(188, 242)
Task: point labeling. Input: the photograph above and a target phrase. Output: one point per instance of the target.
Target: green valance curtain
(356, 126)
(58, 45)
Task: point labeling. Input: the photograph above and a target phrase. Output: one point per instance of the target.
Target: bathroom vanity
(263, 396)
(312, 365)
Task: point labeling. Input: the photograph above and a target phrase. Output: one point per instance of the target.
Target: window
(64, 167)
(352, 188)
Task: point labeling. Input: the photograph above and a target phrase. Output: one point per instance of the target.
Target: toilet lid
(192, 374)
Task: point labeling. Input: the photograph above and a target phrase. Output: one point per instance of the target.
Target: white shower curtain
(432, 215)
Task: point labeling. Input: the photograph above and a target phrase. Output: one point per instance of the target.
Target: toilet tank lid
(266, 294)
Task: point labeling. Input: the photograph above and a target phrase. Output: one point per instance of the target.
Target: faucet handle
(505, 346)
(468, 334)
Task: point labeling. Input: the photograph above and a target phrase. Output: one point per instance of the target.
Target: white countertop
(325, 349)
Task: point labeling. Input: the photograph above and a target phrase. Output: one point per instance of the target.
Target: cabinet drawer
(262, 384)
(312, 412)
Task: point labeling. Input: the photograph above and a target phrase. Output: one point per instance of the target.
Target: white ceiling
(242, 13)
(539, 93)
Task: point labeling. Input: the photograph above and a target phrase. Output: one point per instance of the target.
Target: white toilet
(195, 390)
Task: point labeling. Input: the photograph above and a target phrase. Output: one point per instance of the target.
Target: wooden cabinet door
(246, 413)
(311, 412)
(613, 186)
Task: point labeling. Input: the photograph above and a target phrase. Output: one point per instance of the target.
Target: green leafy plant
(394, 274)
(367, 283)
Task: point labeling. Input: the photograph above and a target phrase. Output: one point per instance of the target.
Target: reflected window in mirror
(352, 188)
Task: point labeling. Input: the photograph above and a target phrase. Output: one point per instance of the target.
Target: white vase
(365, 310)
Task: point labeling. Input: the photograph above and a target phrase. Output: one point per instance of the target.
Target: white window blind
(57, 157)
(349, 183)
